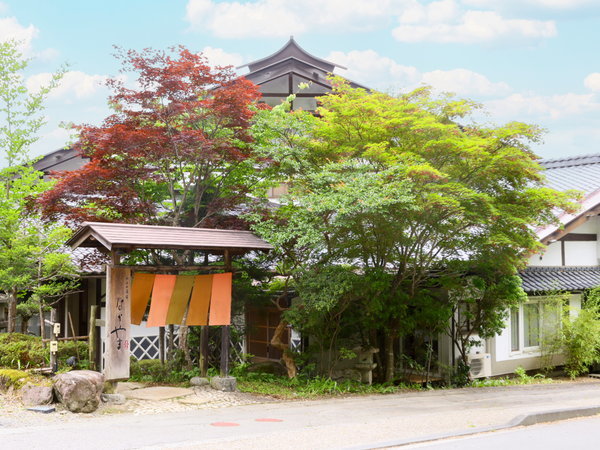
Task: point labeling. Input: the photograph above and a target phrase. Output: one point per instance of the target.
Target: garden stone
(117, 399)
(199, 381)
(224, 384)
(33, 395)
(79, 390)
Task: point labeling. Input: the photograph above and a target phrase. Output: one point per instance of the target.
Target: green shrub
(11, 377)
(581, 341)
(149, 370)
(21, 351)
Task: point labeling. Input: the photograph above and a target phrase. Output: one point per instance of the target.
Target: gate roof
(114, 236)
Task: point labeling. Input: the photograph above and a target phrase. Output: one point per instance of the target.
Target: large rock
(79, 390)
(33, 395)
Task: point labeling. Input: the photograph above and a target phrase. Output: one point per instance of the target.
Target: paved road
(571, 434)
(334, 423)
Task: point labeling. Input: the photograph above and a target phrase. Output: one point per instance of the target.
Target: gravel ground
(13, 413)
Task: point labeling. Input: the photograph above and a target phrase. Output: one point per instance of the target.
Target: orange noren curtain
(161, 297)
(141, 288)
(179, 299)
(198, 312)
(220, 301)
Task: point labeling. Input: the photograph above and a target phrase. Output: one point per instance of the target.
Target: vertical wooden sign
(118, 323)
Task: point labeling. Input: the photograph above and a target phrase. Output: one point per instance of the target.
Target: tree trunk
(278, 343)
(42, 323)
(389, 357)
(24, 325)
(184, 332)
(11, 326)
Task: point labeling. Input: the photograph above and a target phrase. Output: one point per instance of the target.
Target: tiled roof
(560, 278)
(578, 172)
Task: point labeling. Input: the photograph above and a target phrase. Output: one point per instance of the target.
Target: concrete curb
(519, 421)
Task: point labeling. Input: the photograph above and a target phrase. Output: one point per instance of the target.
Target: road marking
(266, 419)
(225, 424)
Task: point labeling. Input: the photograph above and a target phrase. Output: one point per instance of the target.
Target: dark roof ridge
(560, 268)
(570, 161)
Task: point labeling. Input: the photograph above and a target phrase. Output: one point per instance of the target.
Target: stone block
(33, 395)
(116, 399)
(199, 381)
(224, 384)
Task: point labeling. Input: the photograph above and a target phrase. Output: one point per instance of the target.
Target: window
(514, 330)
(531, 322)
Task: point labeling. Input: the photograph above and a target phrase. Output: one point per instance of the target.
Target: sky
(534, 61)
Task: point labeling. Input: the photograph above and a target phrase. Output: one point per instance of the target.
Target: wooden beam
(579, 237)
(161, 268)
(559, 233)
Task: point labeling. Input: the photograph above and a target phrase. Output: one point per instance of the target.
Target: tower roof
(291, 50)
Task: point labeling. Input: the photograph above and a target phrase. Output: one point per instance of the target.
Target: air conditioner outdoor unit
(480, 365)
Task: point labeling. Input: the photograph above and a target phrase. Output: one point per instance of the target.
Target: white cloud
(592, 82)
(11, 29)
(444, 22)
(219, 57)
(526, 106)
(464, 82)
(550, 4)
(74, 85)
(384, 73)
(280, 18)
(374, 70)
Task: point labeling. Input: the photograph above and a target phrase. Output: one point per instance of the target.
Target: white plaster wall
(552, 256)
(581, 253)
(589, 226)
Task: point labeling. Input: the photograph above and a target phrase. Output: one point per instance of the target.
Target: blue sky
(529, 60)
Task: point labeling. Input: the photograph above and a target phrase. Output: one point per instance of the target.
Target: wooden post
(54, 342)
(171, 340)
(225, 330)
(203, 360)
(225, 339)
(161, 344)
(118, 323)
(92, 338)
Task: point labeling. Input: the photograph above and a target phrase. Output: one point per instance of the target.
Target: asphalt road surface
(568, 435)
(340, 423)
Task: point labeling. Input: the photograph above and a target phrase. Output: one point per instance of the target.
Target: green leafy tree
(31, 262)
(411, 187)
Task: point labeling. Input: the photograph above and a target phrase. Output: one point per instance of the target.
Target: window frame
(519, 312)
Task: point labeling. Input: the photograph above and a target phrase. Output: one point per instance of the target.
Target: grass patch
(11, 377)
(304, 388)
(520, 378)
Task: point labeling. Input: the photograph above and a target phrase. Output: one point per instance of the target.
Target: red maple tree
(176, 150)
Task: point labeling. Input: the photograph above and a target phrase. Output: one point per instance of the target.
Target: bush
(581, 341)
(15, 378)
(21, 351)
(151, 371)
